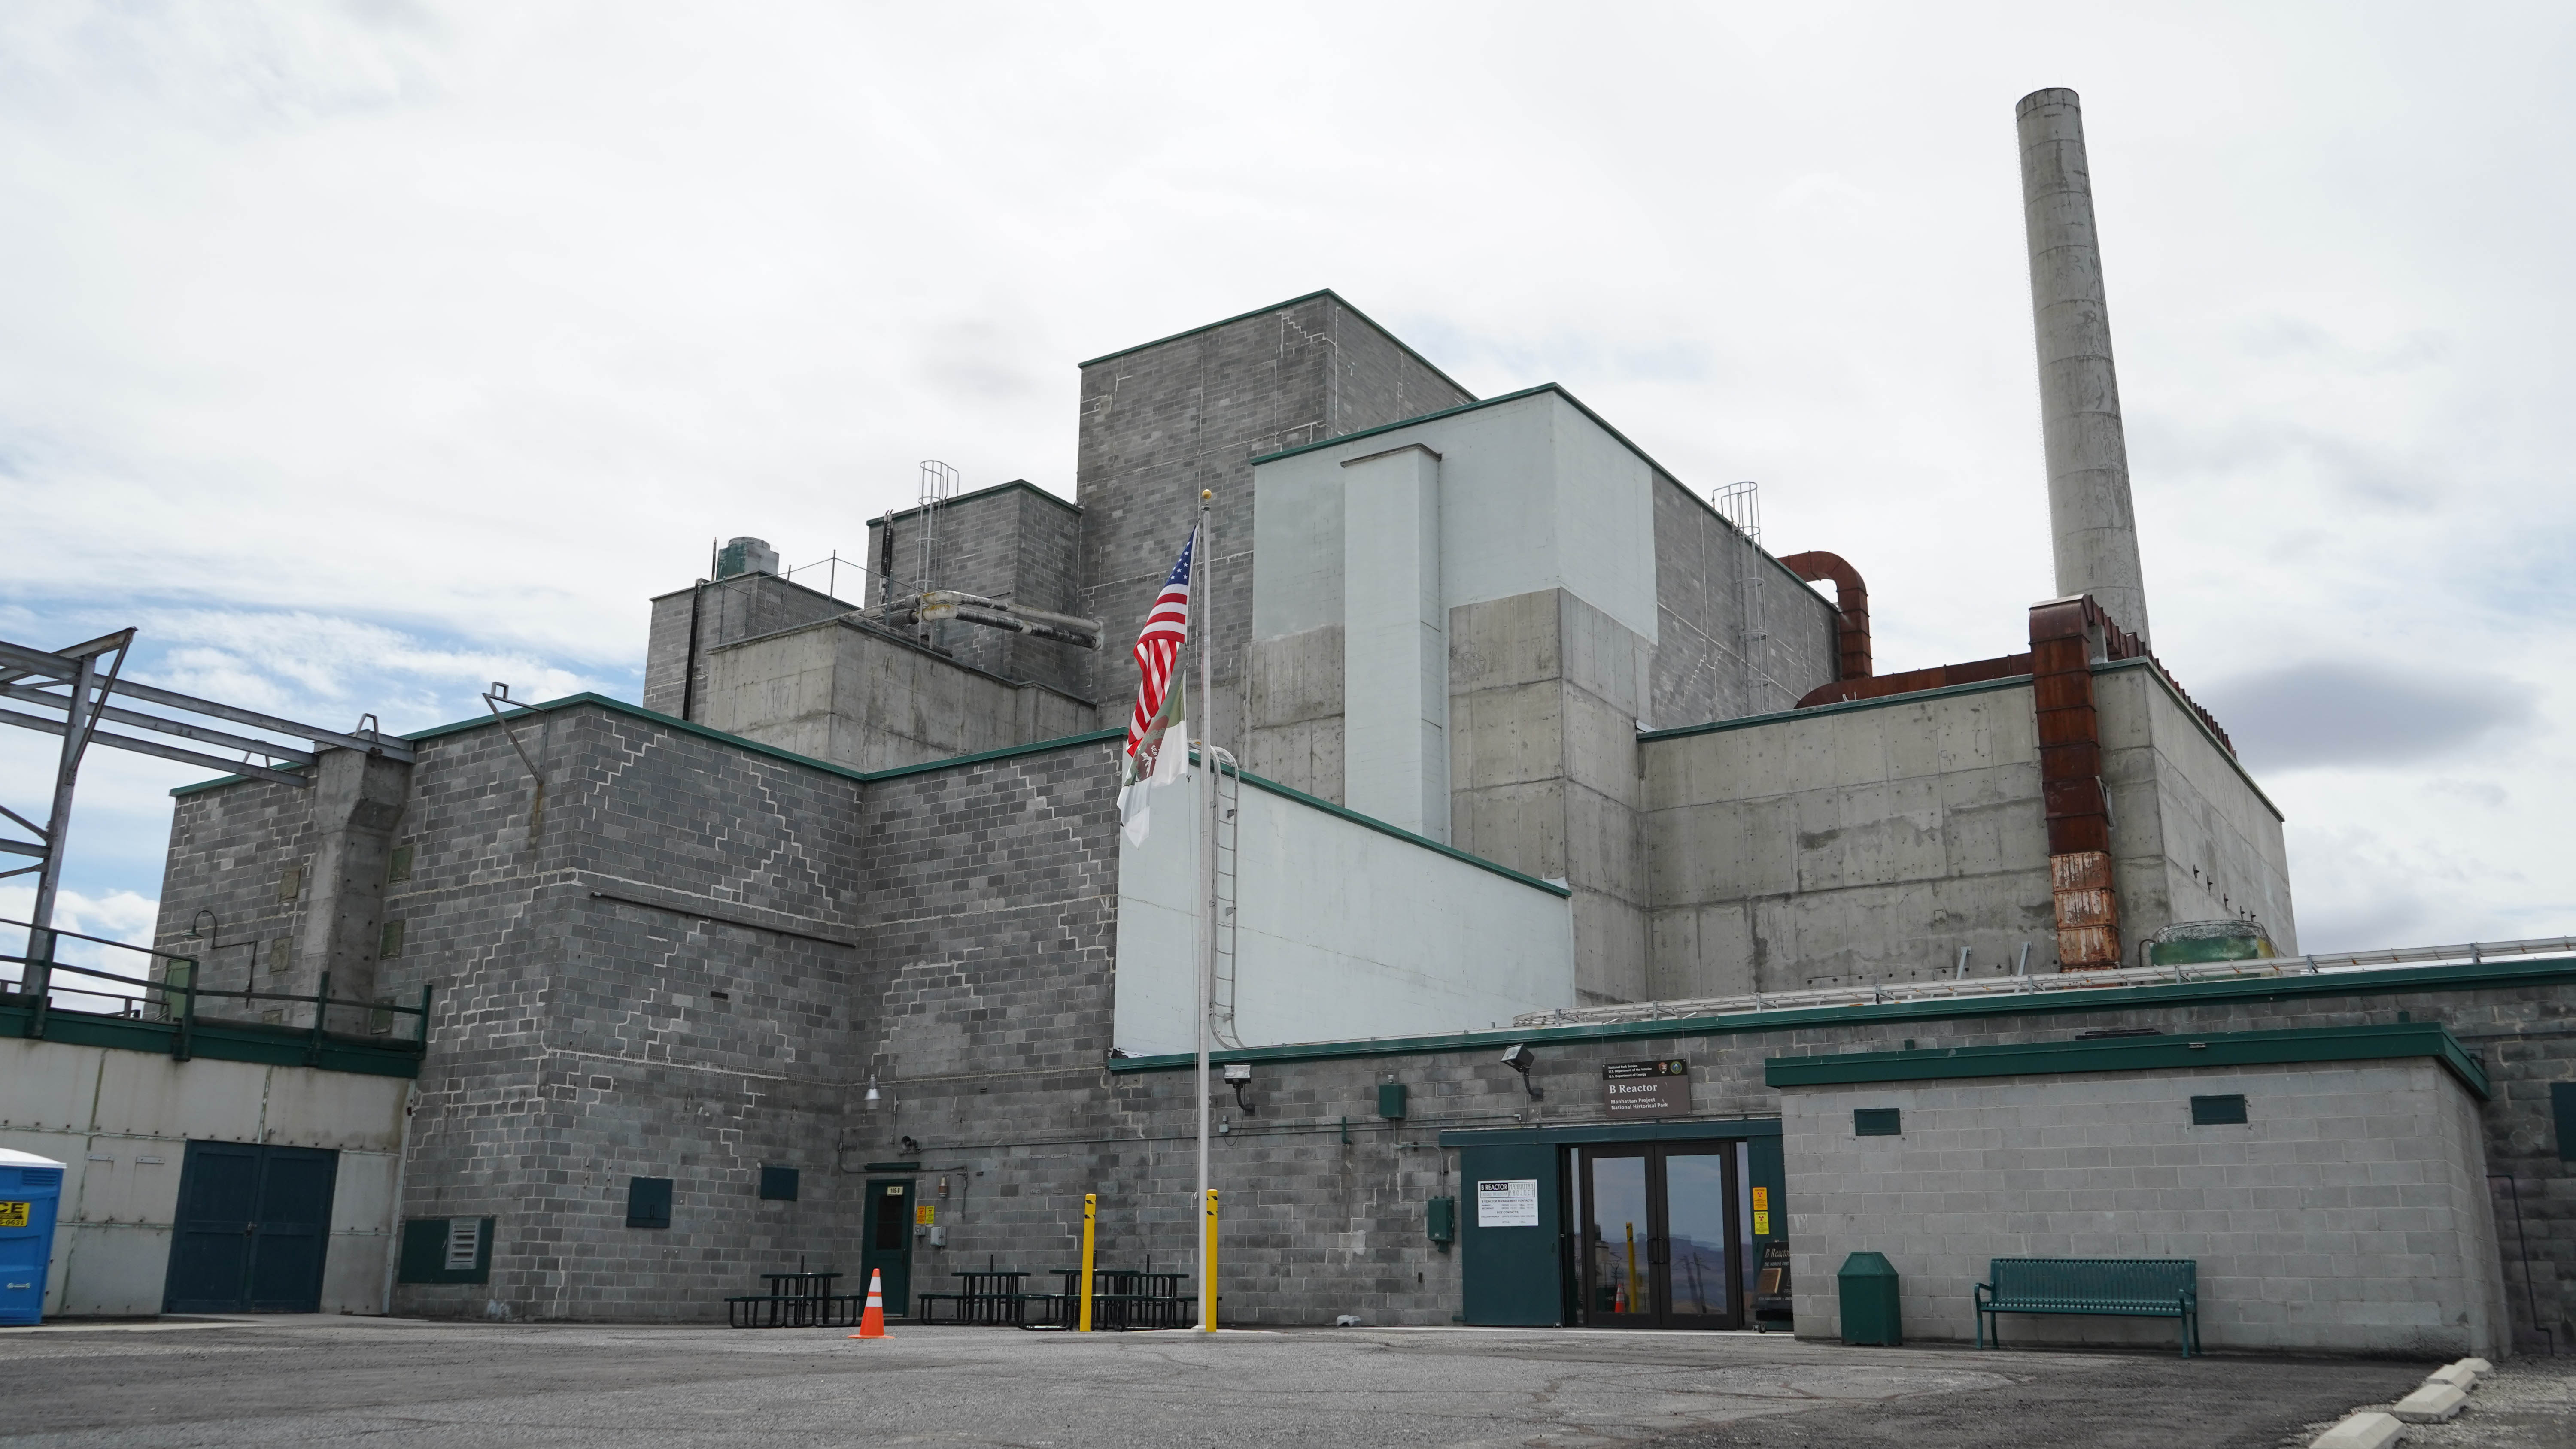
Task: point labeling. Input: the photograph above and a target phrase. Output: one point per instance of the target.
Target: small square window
(389, 944)
(398, 864)
(648, 1202)
(2562, 1108)
(777, 1184)
(1877, 1122)
(2217, 1111)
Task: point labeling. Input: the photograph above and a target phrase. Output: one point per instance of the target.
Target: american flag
(1158, 650)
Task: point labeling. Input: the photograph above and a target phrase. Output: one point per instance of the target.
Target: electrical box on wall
(1390, 1100)
(1441, 1218)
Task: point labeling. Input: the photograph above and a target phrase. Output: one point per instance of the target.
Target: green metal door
(1511, 1243)
(888, 1247)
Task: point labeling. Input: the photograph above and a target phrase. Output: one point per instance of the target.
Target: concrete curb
(2369, 1429)
(2431, 1404)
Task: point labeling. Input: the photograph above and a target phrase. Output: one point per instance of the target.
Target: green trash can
(1868, 1284)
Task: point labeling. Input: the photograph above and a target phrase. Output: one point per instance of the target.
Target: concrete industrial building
(833, 947)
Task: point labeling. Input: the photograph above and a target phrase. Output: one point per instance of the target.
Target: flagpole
(1203, 595)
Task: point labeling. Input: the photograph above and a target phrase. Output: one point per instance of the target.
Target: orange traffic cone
(872, 1318)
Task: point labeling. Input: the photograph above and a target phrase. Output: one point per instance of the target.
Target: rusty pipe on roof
(1851, 602)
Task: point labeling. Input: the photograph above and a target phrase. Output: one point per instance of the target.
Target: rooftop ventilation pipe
(1851, 602)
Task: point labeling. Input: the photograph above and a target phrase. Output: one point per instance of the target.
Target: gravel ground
(2527, 1403)
(393, 1383)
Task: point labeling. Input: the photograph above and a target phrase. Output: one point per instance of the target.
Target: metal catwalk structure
(75, 684)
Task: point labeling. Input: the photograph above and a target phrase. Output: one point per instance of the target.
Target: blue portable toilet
(30, 1189)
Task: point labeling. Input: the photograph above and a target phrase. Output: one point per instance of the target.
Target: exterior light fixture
(1520, 1058)
(874, 1100)
(1238, 1075)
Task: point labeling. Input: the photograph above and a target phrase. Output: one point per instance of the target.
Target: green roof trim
(2412, 980)
(986, 757)
(2182, 1051)
(637, 711)
(1847, 706)
(1022, 484)
(225, 1041)
(1400, 343)
(1399, 832)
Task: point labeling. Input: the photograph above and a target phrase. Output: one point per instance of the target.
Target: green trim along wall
(1286, 792)
(227, 1041)
(2173, 1053)
(2546, 971)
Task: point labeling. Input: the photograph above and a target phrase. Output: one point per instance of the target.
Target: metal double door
(254, 1225)
(1660, 1235)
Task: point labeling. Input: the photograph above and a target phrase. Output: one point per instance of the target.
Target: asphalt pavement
(392, 1383)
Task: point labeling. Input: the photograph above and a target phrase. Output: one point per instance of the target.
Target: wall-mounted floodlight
(1520, 1058)
(875, 1099)
(1238, 1075)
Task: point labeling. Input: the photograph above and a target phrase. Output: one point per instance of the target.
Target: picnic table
(991, 1295)
(794, 1300)
(1123, 1298)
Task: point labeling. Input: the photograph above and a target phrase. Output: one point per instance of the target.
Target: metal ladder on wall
(1228, 778)
(1741, 505)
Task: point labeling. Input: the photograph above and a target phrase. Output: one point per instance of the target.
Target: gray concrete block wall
(1161, 423)
(579, 1041)
(231, 849)
(1708, 664)
(1852, 847)
(742, 607)
(2346, 1214)
(1011, 542)
(1348, 1218)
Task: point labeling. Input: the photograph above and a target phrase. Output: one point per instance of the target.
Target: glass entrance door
(1659, 1236)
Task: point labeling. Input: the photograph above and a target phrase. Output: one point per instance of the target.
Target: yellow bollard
(1090, 1210)
(1207, 1279)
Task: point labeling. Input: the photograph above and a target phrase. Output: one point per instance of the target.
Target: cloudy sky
(360, 355)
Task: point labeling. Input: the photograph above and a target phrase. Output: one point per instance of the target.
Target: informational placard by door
(1507, 1203)
(1646, 1089)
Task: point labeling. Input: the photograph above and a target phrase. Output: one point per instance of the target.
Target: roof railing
(175, 997)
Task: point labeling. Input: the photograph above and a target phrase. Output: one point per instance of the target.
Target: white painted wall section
(1395, 652)
(1347, 932)
(121, 1122)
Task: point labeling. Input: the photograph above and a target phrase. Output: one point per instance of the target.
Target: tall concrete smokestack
(2093, 524)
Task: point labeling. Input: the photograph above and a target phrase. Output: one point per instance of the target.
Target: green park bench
(2119, 1287)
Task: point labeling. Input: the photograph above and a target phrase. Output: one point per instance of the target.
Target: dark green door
(889, 1241)
(253, 1226)
(1511, 1240)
